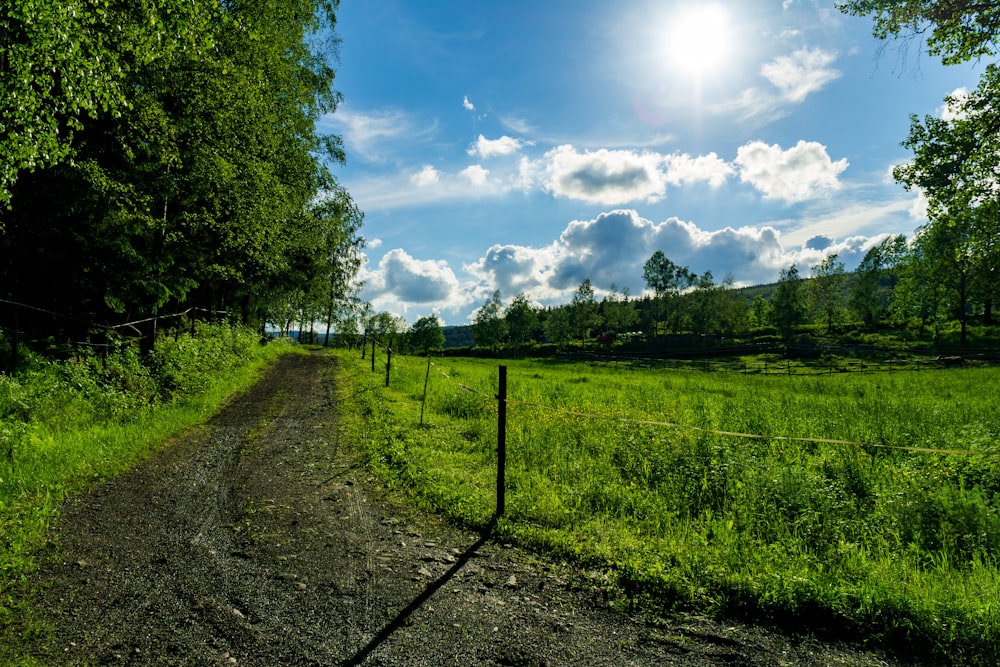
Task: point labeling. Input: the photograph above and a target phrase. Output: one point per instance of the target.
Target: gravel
(259, 539)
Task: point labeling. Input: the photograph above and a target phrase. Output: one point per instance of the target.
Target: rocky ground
(258, 539)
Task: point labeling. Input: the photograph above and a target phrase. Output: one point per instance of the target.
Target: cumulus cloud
(604, 176)
(401, 283)
(801, 73)
(426, 176)
(485, 148)
(612, 248)
(819, 242)
(475, 174)
(514, 269)
(467, 104)
(683, 169)
(614, 177)
(802, 172)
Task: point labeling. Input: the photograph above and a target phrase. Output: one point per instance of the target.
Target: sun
(698, 40)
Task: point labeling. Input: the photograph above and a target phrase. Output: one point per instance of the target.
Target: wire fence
(761, 368)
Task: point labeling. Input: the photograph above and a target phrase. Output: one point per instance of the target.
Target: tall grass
(878, 539)
(65, 424)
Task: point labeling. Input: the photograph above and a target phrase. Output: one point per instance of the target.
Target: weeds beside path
(258, 539)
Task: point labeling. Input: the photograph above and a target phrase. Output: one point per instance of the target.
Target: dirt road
(258, 540)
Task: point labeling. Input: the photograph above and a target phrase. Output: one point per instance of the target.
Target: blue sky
(530, 144)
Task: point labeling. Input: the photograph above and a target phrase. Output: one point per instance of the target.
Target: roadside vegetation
(889, 536)
(67, 424)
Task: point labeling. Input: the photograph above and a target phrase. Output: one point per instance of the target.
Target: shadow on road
(429, 592)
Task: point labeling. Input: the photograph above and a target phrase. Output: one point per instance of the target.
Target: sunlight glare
(698, 40)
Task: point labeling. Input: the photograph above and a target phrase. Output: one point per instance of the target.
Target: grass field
(722, 492)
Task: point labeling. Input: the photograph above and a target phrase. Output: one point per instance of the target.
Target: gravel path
(257, 539)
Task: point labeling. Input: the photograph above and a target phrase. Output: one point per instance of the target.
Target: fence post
(373, 354)
(388, 364)
(427, 378)
(502, 443)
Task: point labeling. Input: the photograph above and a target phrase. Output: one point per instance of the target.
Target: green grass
(625, 467)
(64, 426)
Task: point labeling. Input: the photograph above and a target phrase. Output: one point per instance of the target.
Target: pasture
(847, 504)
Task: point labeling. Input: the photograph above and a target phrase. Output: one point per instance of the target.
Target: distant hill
(458, 336)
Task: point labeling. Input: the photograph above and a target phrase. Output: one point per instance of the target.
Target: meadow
(855, 505)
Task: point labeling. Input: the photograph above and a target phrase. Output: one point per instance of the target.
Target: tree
(66, 63)
(955, 163)
(827, 290)
(583, 311)
(618, 312)
(489, 328)
(949, 263)
(875, 279)
(426, 334)
(383, 327)
(666, 279)
(559, 325)
(787, 305)
(197, 177)
(960, 30)
(521, 320)
(760, 311)
(956, 157)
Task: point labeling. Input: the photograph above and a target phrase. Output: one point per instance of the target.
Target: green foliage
(788, 308)
(639, 470)
(490, 328)
(166, 157)
(960, 30)
(425, 335)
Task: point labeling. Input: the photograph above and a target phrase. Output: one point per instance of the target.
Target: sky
(528, 145)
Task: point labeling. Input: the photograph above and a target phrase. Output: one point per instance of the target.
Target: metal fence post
(427, 378)
(502, 443)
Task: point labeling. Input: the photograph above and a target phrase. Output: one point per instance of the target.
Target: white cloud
(426, 176)
(475, 174)
(853, 220)
(519, 125)
(513, 269)
(802, 172)
(467, 104)
(613, 177)
(793, 78)
(683, 169)
(606, 177)
(801, 73)
(950, 110)
(403, 284)
(489, 147)
(363, 132)
(612, 248)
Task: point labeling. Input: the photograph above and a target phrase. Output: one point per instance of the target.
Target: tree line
(162, 157)
(894, 290)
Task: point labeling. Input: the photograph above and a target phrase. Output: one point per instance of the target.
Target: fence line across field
(503, 402)
(676, 425)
